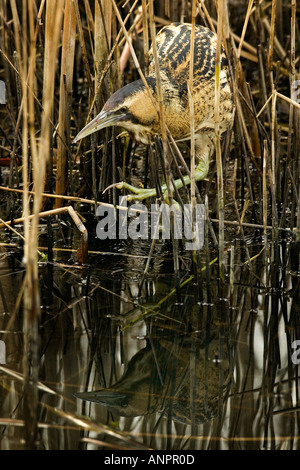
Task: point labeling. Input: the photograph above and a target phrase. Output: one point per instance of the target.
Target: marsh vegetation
(202, 344)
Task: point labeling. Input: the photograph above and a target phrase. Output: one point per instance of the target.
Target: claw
(115, 185)
(138, 193)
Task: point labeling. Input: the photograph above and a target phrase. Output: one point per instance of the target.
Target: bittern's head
(132, 108)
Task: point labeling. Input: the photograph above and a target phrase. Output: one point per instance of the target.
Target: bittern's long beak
(104, 397)
(104, 119)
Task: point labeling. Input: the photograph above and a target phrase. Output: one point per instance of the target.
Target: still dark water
(212, 364)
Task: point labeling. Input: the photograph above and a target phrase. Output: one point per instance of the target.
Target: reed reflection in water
(209, 372)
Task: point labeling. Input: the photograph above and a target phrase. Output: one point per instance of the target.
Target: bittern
(133, 108)
(142, 390)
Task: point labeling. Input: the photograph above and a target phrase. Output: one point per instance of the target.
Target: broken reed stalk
(125, 208)
(7, 225)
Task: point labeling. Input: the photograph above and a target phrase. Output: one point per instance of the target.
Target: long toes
(137, 197)
(138, 193)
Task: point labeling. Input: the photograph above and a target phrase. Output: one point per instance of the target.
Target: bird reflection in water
(161, 378)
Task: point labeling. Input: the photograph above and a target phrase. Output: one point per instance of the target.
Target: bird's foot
(139, 194)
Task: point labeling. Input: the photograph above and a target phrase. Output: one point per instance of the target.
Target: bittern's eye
(124, 110)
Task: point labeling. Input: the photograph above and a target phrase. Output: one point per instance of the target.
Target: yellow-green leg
(139, 193)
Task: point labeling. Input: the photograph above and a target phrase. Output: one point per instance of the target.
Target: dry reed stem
(104, 72)
(220, 182)
(133, 54)
(74, 216)
(122, 208)
(160, 99)
(206, 15)
(252, 52)
(102, 40)
(192, 127)
(69, 198)
(192, 114)
(273, 138)
(272, 35)
(265, 193)
(145, 34)
(287, 99)
(166, 151)
(83, 48)
(39, 155)
(66, 85)
(30, 430)
(248, 14)
(5, 224)
(276, 43)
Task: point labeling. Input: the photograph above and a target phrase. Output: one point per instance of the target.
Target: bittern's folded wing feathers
(174, 49)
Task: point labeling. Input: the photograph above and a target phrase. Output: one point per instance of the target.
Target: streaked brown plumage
(132, 108)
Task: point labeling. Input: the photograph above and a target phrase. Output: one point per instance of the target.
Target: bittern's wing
(174, 49)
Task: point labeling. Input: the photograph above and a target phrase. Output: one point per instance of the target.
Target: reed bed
(60, 60)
